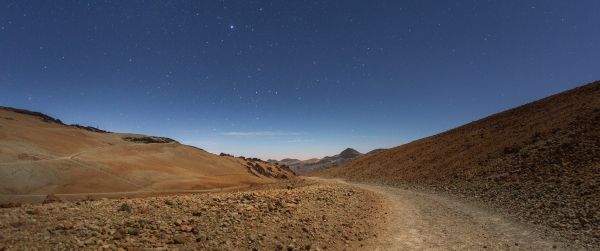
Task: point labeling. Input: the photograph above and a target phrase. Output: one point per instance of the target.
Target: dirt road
(423, 221)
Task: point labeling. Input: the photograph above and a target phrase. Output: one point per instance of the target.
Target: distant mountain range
(304, 166)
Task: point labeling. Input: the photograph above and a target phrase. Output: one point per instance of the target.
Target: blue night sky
(302, 79)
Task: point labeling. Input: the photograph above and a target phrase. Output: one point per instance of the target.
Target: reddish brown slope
(41, 155)
(540, 161)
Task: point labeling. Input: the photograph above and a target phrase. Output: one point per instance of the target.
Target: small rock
(248, 197)
(133, 231)
(10, 205)
(145, 210)
(35, 211)
(186, 228)
(133, 248)
(179, 239)
(66, 225)
(122, 231)
(117, 236)
(252, 238)
(90, 241)
(51, 198)
(291, 247)
(125, 208)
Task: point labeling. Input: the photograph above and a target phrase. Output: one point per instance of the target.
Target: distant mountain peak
(349, 153)
(289, 159)
(303, 166)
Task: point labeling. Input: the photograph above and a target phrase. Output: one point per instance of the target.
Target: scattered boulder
(10, 205)
(65, 225)
(179, 239)
(35, 211)
(186, 228)
(125, 207)
(117, 236)
(150, 140)
(89, 128)
(133, 231)
(51, 198)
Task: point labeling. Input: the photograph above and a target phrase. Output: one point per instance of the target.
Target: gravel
(295, 215)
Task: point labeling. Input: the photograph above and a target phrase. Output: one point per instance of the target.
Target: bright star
(231, 27)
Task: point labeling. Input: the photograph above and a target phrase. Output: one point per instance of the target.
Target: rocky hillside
(539, 162)
(40, 155)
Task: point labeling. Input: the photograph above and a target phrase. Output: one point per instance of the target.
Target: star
(231, 27)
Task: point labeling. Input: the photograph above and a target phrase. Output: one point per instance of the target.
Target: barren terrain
(40, 155)
(538, 163)
(313, 214)
(523, 179)
(295, 215)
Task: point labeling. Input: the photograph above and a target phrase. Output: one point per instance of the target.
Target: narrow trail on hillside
(424, 221)
(59, 158)
(74, 158)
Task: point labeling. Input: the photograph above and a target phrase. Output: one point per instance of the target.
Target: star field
(301, 79)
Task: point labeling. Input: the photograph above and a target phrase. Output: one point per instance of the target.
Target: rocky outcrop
(39, 115)
(49, 119)
(150, 140)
